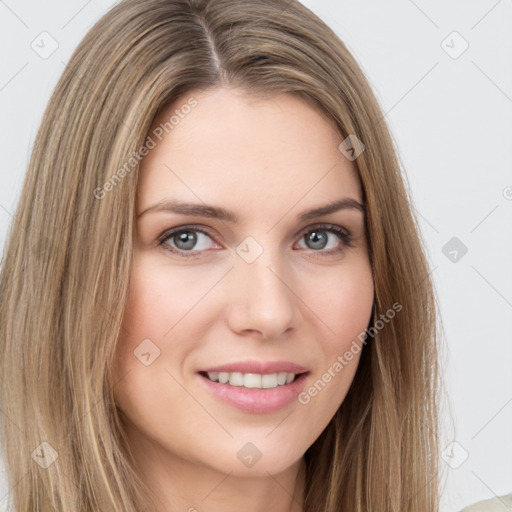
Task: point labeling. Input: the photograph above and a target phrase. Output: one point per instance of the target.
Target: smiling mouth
(252, 380)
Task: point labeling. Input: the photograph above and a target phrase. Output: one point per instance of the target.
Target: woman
(214, 294)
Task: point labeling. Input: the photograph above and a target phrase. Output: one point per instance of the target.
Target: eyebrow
(217, 212)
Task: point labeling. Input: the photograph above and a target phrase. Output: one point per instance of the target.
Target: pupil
(185, 240)
(317, 239)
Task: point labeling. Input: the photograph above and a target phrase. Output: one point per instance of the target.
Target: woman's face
(236, 273)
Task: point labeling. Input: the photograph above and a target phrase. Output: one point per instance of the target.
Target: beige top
(498, 504)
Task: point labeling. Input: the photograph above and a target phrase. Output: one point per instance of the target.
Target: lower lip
(256, 400)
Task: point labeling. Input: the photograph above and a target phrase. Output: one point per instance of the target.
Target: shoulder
(497, 504)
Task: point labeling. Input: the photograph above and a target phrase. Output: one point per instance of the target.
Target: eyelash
(342, 233)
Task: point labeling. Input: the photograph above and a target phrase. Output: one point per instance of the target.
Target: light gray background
(450, 116)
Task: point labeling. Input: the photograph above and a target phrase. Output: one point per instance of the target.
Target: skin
(267, 159)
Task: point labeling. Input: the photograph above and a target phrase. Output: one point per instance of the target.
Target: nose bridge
(263, 273)
(261, 298)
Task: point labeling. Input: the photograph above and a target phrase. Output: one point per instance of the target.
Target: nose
(261, 298)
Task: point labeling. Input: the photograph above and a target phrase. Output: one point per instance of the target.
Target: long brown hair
(67, 263)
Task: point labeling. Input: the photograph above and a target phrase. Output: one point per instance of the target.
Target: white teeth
(269, 381)
(214, 375)
(236, 379)
(223, 377)
(252, 380)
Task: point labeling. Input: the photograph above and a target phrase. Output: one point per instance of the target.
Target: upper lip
(260, 367)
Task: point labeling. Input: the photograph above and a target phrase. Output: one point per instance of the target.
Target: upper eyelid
(187, 227)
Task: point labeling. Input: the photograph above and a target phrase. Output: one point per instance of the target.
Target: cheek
(343, 304)
(159, 298)
(344, 310)
(162, 311)
(350, 311)
(146, 320)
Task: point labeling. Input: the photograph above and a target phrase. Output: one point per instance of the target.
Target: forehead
(234, 147)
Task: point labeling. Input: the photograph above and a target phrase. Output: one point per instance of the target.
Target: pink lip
(262, 367)
(256, 400)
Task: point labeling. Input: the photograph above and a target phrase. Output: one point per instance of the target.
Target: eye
(190, 241)
(186, 239)
(326, 238)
